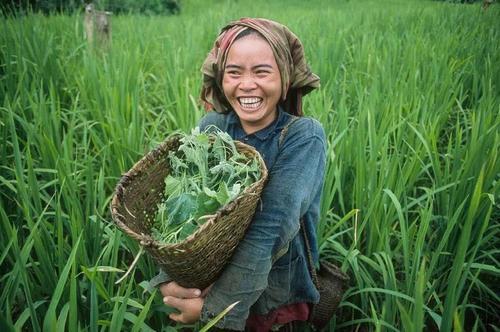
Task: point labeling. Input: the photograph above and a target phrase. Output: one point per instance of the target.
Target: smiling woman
(254, 80)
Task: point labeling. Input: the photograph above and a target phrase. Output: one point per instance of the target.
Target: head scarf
(296, 77)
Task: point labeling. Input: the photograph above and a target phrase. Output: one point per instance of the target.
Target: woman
(254, 80)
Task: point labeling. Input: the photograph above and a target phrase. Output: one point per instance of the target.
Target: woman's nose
(247, 83)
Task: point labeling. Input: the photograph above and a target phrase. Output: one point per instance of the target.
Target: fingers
(177, 317)
(175, 290)
(175, 302)
(205, 291)
(190, 309)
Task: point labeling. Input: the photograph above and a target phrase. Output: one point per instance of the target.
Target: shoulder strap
(281, 139)
(312, 269)
(285, 130)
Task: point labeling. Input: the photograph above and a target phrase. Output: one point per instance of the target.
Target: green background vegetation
(410, 103)
(147, 7)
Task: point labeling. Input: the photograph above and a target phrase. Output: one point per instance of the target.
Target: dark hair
(249, 32)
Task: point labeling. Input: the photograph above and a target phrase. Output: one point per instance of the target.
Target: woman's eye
(262, 73)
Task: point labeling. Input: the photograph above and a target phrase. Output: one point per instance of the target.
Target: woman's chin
(249, 115)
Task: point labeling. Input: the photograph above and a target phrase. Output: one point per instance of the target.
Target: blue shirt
(259, 275)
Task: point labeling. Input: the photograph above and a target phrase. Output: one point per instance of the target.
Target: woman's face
(252, 82)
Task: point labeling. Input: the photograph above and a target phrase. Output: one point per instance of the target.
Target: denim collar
(278, 124)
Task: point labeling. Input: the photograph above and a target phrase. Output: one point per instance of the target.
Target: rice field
(410, 102)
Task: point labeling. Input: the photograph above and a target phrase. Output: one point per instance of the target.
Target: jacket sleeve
(293, 181)
(159, 279)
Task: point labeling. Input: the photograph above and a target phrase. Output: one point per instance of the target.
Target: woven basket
(199, 259)
(332, 286)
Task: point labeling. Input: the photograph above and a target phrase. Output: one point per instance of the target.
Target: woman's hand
(173, 289)
(188, 301)
(190, 309)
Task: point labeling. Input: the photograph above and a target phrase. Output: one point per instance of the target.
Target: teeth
(250, 103)
(251, 100)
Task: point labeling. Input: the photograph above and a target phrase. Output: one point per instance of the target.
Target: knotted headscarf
(296, 77)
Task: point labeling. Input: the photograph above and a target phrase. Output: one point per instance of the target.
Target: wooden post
(97, 27)
(487, 3)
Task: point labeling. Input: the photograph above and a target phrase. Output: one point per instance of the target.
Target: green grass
(410, 102)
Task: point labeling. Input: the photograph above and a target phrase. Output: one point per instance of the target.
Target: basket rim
(146, 239)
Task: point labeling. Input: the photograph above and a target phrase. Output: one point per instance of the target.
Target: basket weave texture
(200, 258)
(332, 286)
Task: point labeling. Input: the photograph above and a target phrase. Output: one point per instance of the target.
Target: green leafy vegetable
(207, 172)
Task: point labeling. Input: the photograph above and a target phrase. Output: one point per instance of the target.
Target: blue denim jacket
(256, 275)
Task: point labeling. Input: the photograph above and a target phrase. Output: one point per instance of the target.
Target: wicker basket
(199, 259)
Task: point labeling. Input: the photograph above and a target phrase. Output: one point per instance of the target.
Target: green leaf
(25, 315)
(63, 316)
(187, 229)
(217, 318)
(223, 195)
(181, 208)
(139, 323)
(172, 185)
(129, 301)
(235, 191)
(104, 269)
(206, 205)
(49, 323)
(210, 193)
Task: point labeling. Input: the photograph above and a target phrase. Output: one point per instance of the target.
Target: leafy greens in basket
(207, 172)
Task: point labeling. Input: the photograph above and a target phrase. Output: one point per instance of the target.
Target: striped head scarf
(296, 77)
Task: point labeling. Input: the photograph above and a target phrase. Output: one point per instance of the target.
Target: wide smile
(250, 103)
